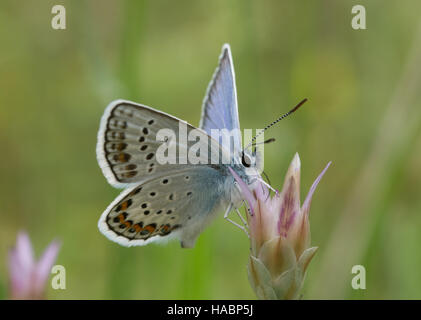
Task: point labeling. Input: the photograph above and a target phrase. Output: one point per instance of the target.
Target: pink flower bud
(28, 277)
(279, 235)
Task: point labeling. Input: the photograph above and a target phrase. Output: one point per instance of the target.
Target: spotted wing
(176, 205)
(127, 143)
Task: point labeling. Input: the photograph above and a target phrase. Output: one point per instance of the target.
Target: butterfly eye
(246, 160)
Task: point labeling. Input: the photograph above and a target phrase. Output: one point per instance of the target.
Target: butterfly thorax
(248, 175)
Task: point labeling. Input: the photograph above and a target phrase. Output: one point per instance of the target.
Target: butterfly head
(247, 159)
(251, 158)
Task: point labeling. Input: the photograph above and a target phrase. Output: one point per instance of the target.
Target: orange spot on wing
(150, 228)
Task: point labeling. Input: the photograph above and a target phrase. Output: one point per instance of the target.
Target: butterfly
(172, 200)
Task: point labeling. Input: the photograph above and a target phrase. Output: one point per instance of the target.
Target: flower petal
(299, 236)
(44, 265)
(266, 292)
(306, 206)
(290, 198)
(260, 279)
(21, 264)
(18, 279)
(24, 252)
(282, 284)
(294, 168)
(261, 191)
(277, 256)
(305, 258)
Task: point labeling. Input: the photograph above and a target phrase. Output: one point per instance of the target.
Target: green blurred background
(363, 114)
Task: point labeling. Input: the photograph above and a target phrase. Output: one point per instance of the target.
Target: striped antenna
(276, 121)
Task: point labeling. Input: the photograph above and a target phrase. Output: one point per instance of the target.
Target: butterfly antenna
(276, 121)
(264, 142)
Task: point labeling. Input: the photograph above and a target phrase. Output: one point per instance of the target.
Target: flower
(28, 277)
(280, 236)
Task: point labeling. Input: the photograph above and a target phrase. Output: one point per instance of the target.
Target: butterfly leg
(268, 185)
(233, 222)
(242, 218)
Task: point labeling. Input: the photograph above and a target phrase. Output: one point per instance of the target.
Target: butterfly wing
(220, 110)
(177, 205)
(163, 201)
(127, 143)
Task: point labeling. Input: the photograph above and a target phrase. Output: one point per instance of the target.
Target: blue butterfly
(172, 200)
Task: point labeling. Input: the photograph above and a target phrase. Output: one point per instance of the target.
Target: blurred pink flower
(280, 236)
(28, 277)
